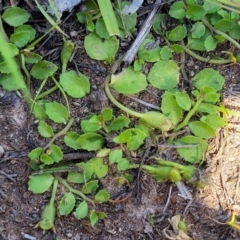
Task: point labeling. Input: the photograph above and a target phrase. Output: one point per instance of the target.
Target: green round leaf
(29, 29)
(57, 112)
(56, 153)
(107, 114)
(31, 57)
(8, 82)
(192, 154)
(15, 16)
(115, 156)
(100, 49)
(76, 85)
(35, 153)
(213, 120)
(93, 217)
(177, 10)
(234, 32)
(201, 129)
(183, 100)
(198, 30)
(20, 39)
(46, 159)
(101, 29)
(123, 164)
(45, 130)
(166, 53)
(66, 204)
(119, 123)
(164, 75)
(195, 12)
(128, 81)
(210, 44)
(81, 210)
(99, 168)
(90, 187)
(84, 174)
(90, 141)
(102, 196)
(208, 77)
(70, 140)
(43, 69)
(224, 25)
(177, 34)
(40, 183)
(170, 108)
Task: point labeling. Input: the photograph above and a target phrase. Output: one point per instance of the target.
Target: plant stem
(189, 115)
(116, 103)
(206, 60)
(62, 132)
(54, 191)
(170, 164)
(46, 93)
(79, 193)
(205, 22)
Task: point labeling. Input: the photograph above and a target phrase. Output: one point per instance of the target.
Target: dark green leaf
(201, 129)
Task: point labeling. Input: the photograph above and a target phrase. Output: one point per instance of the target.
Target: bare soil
(148, 205)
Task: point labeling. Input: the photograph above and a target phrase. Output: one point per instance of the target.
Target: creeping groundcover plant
(185, 119)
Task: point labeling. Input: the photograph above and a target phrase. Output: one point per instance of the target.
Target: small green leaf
(192, 154)
(76, 85)
(183, 100)
(207, 108)
(100, 49)
(57, 112)
(81, 210)
(56, 153)
(91, 125)
(177, 10)
(166, 53)
(210, 44)
(107, 114)
(224, 25)
(31, 57)
(198, 30)
(159, 18)
(4, 68)
(20, 39)
(211, 7)
(164, 75)
(93, 217)
(208, 77)
(66, 204)
(177, 34)
(123, 164)
(46, 159)
(90, 141)
(101, 29)
(45, 130)
(201, 129)
(195, 12)
(90, 187)
(213, 120)
(81, 177)
(170, 108)
(70, 140)
(40, 183)
(210, 95)
(8, 83)
(39, 109)
(234, 32)
(102, 196)
(35, 153)
(102, 215)
(115, 155)
(28, 28)
(43, 69)
(128, 81)
(15, 16)
(119, 123)
(99, 168)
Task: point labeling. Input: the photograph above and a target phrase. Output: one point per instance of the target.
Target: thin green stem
(79, 193)
(46, 93)
(226, 7)
(39, 90)
(170, 164)
(62, 91)
(205, 22)
(189, 115)
(116, 103)
(25, 70)
(54, 191)
(62, 132)
(206, 60)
